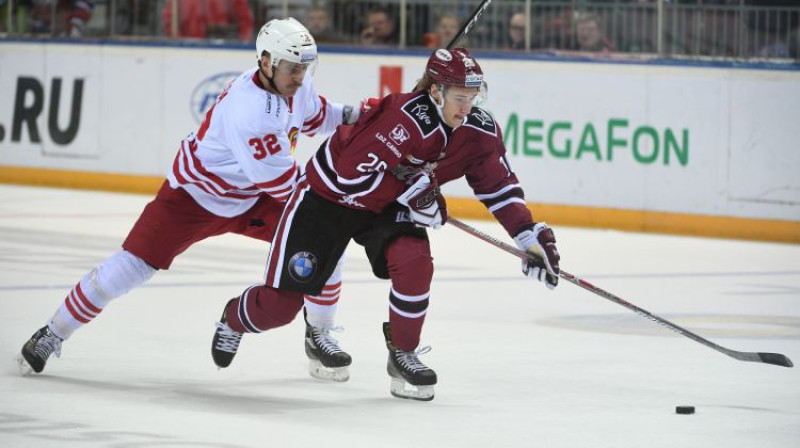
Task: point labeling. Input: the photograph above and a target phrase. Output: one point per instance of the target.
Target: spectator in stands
(71, 16)
(380, 29)
(318, 22)
(516, 31)
(446, 29)
(212, 19)
(589, 35)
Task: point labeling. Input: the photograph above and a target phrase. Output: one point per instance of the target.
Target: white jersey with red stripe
(244, 147)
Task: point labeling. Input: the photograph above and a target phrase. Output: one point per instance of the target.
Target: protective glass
(463, 99)
(296, 69)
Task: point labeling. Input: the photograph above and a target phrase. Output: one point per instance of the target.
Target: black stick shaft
(473, 19)
(767, 358)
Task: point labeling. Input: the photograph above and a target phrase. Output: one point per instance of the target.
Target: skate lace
(327, 343)
(410, 360)
(49, 343)
(228, 338)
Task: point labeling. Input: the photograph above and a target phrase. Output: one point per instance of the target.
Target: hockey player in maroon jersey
(232, 176)
(377, 182)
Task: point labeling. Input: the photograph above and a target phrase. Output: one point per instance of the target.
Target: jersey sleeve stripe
(188, 173)
(280, 181)
(190, 178)
(201, 169)
(339, 185)
(317, 120)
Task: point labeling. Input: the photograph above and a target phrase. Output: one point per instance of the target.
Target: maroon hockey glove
(425, 202)
(540, 241)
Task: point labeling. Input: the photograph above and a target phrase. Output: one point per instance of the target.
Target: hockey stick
(473, 19)
(766, 358)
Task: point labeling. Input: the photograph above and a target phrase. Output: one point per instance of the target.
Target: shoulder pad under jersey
(481, 120)
(423, 113)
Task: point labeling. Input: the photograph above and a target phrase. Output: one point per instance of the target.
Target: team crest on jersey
(302, 266)
(399, 134)
(419, 109)
(293, 138)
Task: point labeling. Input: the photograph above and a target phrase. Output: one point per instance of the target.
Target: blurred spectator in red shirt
(71, 16)
(221, 19)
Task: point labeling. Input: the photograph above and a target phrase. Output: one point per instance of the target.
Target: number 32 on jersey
(263, 146)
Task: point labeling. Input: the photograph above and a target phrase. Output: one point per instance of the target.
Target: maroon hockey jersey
(365, 165)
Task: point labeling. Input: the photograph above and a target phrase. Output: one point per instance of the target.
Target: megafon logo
(205, 94)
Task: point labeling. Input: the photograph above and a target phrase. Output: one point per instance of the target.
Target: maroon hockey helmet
(454, 67)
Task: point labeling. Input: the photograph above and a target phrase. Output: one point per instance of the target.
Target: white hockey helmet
(286, 40)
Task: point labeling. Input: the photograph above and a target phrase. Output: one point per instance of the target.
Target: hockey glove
(540, 241)
(369, 103)
(350, 114)
(425, 202)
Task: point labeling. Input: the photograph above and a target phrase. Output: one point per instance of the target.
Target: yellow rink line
(634, 220)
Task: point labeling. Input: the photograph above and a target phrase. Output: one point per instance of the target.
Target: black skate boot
(226, 341)
(326, 360)
(410, 377)
(37, 350)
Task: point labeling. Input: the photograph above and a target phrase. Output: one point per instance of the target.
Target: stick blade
(775, 359)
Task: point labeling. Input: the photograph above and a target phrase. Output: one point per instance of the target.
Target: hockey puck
(684, 410)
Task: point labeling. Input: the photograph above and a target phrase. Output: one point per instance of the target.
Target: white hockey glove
(540, 241)
(425, 202)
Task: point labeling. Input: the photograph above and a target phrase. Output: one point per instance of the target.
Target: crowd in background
(716, 28)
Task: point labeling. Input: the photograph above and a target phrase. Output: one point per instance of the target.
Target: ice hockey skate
(37, 350)
(410, 378)
(326, 360)
(226, 341)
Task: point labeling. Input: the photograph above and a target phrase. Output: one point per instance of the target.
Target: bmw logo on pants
(302, 266)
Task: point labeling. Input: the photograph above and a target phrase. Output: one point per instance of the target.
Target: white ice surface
(518, 365)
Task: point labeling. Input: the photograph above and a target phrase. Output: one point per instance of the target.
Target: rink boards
(703, 150)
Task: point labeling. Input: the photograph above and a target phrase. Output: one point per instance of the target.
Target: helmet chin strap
(269, 79)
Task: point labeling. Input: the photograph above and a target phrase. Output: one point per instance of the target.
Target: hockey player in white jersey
(233, 175)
